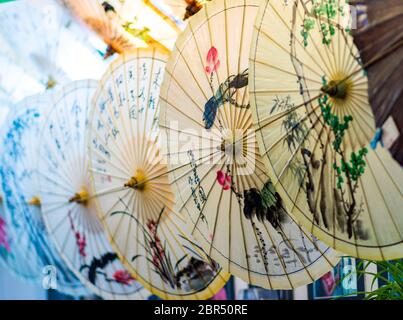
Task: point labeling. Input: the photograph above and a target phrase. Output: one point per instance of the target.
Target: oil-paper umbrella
(126, 25)
(184, 9)
(379, 37)
(67, 201)
(17, 250)
(136, 202)
(314, 122)
(230, 204)
(22, 202)
(33, 30)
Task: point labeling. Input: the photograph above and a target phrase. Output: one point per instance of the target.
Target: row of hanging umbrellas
(246, 150)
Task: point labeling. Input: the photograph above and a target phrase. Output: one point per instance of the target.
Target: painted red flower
(158, 252)
(224, 180)
(122, 276)
(3, 235)
(212, 61)
(80, 239)
(81, 243)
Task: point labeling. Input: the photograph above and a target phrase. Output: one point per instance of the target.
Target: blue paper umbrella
(25, 245)
(67, 201)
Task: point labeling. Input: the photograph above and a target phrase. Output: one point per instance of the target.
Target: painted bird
(225, 93)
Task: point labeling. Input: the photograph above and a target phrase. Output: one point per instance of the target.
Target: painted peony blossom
(212, 61)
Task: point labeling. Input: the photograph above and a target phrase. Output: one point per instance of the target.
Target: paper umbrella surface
(231, 205)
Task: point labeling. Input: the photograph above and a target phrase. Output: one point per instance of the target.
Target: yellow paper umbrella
(184, 9)
(136, 202)
(126, 25)
(67, 201)
(229, 202)
(314, 123)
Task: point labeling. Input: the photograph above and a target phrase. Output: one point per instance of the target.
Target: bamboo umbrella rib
(105, 215)
(271, 66)
(286, 52)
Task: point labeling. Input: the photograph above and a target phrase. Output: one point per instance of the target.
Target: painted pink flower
(3, 235)
(80, 239)
(122, 276)
(81, 243)
(158, 252)
(224, 180)
(212, 61)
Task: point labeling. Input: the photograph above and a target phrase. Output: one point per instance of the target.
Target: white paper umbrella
(17, 250)
(21, 194)
(136, 201)
(315, 124)
(67, 200)
(33, 30)
(15, 81)
(222, 189)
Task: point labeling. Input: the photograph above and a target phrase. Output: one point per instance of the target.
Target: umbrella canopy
(12, 74)
(126, 25)
(33, 30)
(229, 202)
(16, 247)
(310, 106)
(21, 197)
(67, 202)
(379, 37)
(136, 202)
(183, 9)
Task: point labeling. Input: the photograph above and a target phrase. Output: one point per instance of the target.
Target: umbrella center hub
(35, 201)
(337, 89)
(231, 146)
(80, 197)
(137, 182)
